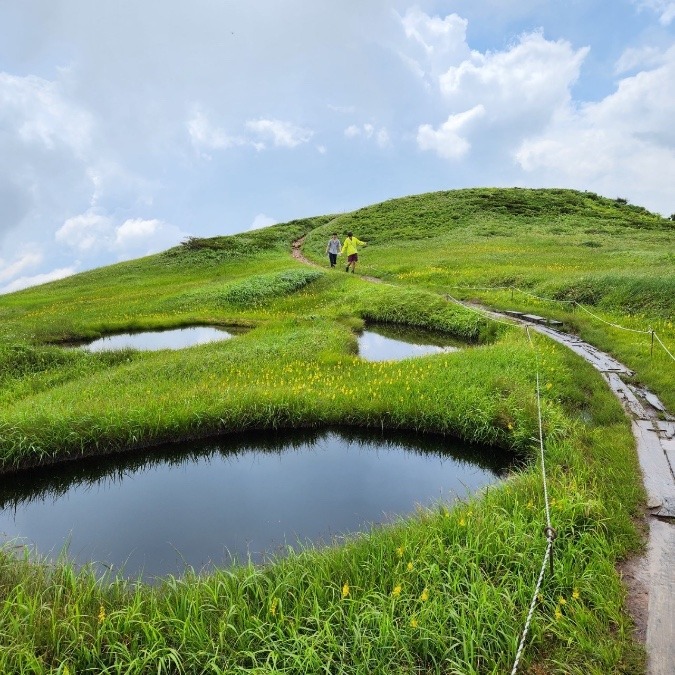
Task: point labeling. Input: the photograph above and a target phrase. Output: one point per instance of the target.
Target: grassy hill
(464, 575)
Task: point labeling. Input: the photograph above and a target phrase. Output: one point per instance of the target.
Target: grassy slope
(478, 563)
(615, 258)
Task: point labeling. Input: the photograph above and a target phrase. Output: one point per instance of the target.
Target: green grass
(445, 590)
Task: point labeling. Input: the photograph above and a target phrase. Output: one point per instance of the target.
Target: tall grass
(445, 590)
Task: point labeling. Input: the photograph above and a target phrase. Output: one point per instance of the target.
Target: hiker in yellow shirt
(349, 247)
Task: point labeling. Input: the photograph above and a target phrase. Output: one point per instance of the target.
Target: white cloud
(138, 236)
(531, 78)
(632, 59)
(134, 230)
(207, 136)
(368, 131)
(496, 98)
(261, 220)
(664, 8)
(447, 141)
(37, 109)
(85, 232)
(436, 43)
(44, 142)
(26, 282)
(93, 232)
(624, 142)
(26, 260)
(281, 134)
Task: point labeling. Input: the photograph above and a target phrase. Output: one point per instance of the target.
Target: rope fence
(573, 304)
(549, 531)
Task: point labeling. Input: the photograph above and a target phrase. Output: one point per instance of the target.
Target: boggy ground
(446, 590)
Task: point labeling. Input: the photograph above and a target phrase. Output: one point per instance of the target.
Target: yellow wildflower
(399, 551)
(462, 522)
(273, 608)
(409, 567)
(425, 595)
(413, 622)
(575, 593)
(345, 590)
(397, 591)
(562, 600)
(558, 614)
(101, 614)
(548, 385)
(510, 426)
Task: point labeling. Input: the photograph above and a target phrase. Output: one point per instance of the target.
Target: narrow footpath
(649, 579)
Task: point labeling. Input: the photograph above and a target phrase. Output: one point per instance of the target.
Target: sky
(127, 126)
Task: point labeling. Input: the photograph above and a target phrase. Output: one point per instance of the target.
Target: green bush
(257, 290)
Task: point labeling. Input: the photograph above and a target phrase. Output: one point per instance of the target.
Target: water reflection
(178, 338)
(391, 342)
(212, 503)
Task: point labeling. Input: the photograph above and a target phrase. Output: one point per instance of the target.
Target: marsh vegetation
(444, 590)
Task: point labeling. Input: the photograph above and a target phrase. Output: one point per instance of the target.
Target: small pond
(393, 342)
(178, 338)
(225, 500)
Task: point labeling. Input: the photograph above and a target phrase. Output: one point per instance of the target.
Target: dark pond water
(155, 340)
(214, 503)
(392, 342)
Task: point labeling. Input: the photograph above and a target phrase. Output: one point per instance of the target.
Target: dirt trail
(296, 252)
(649, 579)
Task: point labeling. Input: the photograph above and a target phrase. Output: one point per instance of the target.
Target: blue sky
(127, 126)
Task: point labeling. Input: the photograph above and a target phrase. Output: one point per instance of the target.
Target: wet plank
(661, 623)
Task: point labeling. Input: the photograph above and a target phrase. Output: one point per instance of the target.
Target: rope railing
(573, 303)
(613, 325)
(549, 531)
(664, 346)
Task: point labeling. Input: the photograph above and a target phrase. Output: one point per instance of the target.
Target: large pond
(213, 503)
(178, 338)
(393, 342)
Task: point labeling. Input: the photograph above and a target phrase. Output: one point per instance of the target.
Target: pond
(178, 338)
(213, 503)
(392, 342)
